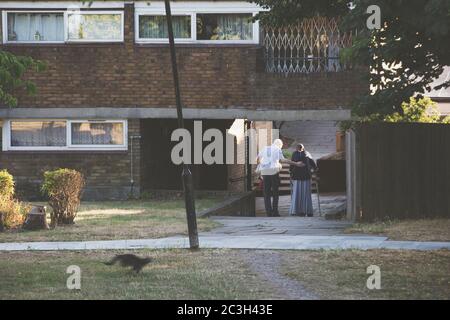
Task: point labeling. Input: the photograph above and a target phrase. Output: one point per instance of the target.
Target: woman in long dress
(301, 198)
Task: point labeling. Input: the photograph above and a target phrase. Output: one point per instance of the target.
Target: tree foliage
(12, 71)
(404, 57)
(418, 110)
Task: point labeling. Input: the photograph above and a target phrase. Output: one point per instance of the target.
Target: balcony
(309, 47)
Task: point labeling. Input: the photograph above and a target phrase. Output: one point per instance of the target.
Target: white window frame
(5, 26)
(190, 10)
(84, 12)
(161, 40)
(6, 143)
(123, 146)
(66, 26)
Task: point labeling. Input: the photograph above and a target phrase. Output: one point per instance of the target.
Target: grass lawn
(342, 274)
(414, 230)
(121, 220)
(174, 274)
(226, 274)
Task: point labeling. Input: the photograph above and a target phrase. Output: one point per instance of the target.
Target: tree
(418, 110)
(12, 71)
(403, 58)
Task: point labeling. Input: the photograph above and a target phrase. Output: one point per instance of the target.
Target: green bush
(6, 184)
(63, 188)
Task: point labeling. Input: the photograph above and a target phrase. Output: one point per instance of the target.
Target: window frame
(93, 12)
(6, 29)
(162, 40)
(66, 26)
(177, 11)
(6, 134)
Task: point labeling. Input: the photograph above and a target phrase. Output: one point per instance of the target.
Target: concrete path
(263, 226)
(330, 203)
(274, 242)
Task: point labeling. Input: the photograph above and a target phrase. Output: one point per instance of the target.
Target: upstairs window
(155, 27)
(93, 26)
(35, 27)
(210, 24)
(224, 26)
(62, 26)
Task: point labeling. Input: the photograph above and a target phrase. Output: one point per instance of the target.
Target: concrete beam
(265, 114)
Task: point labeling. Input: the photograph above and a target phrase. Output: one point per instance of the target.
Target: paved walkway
(330, 203)
(285, 233)
(263, 226)
(274, 242)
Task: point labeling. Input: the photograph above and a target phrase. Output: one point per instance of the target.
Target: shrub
(12, 212)
(6, 184)
(63, 188)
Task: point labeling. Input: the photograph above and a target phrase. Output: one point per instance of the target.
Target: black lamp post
(188, 183)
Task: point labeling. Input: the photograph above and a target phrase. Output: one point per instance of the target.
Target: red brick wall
(132, 75)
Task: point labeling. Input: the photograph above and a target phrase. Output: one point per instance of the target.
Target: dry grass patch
(413, 230)
(342, 274)
(121, 220)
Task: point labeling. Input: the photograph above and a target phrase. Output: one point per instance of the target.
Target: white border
(6, 143)
(61, 4)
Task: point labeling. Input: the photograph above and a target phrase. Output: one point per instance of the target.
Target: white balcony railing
(311, 46)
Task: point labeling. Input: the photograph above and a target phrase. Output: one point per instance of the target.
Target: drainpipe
(132, 138)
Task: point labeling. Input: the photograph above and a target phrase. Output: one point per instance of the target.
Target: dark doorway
(158, 171)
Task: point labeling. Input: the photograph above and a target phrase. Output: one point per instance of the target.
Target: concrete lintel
(266, 114)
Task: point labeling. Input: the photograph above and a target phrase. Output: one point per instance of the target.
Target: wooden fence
(401, 171)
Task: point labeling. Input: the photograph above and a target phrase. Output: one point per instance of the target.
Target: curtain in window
(97, 134)
(38, 133)
(155, 27)
(35, 27)
(224, 26)
(234, 27)
(95, 26)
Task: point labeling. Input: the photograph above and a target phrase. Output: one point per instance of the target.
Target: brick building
(105, 103)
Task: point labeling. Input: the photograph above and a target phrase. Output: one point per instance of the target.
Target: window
(65, 135)
(97, 133)
(38, 133)
(93, 26)
(193, 24)
(35, 27)
(155, 27)
(224, 26)
(62, 26)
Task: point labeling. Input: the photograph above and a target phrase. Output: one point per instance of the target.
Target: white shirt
(269, 161)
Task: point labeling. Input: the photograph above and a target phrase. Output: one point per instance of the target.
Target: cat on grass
(130, 260)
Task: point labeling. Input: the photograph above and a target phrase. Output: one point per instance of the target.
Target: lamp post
(188, 183)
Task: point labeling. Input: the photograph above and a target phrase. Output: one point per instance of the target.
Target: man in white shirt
(269, 165)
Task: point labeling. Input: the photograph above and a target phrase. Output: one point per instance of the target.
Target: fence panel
(404, 171)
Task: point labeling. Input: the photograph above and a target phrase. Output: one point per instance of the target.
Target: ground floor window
(65, 135)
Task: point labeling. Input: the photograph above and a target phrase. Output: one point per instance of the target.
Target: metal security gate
(310, 46)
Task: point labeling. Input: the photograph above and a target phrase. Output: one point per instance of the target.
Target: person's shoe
(310, 216)
(276, 214)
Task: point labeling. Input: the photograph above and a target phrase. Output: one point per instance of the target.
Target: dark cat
(130, 260)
